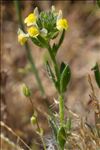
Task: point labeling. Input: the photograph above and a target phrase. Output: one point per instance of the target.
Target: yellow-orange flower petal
(33, 32)
(22, 39)
(31, 19)
(62, 24)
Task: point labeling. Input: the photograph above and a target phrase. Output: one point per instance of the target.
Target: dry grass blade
(85, 136)
(2, 124)
(8, 144)
(95, 106)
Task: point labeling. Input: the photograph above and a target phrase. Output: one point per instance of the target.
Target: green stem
(34, 69)
(44, 146)
(61, 109)
(61, 97)
(41, 136)
(27, 48)
(55, 65)
(37, 123)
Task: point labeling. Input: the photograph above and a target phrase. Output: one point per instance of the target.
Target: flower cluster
(46, 25)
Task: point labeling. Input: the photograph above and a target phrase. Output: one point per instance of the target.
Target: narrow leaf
(43, 42)
(37, 42)
(56, 46)
(97, 74)
(54, 49)
(62, 67)
(54, 35)
(61, 39)
(50, 73)
(65, 78)
(61, 137)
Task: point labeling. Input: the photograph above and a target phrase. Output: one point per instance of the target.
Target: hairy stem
(61, 97)
(61, 109)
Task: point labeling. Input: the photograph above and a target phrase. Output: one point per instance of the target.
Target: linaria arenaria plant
(41, 29)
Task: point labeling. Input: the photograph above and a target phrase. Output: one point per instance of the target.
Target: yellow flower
(31, 19)
(33, 32)
(62, 24)
(22, 38)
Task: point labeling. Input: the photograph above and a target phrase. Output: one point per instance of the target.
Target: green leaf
(61, 137)
(97, 74)
(61, 38)
(39, 23)
(43, 41)
(54, 35)
(50, 73)
(56, 46)
(64, 78)
(62, 67)
(54, 49)
(37, 42)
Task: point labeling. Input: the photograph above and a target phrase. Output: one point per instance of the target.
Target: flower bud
(44, 32)
(26, 90)
(33, 120)
(40, 131)
(59, 15)
(53, 8)
(36, 12)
